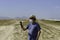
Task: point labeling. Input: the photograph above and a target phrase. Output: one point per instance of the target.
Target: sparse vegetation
(6, 22)
(51, 22)
(48, 32)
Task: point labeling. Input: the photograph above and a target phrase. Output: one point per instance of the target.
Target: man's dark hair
(33, 17)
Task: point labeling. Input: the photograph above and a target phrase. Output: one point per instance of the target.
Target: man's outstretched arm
(22, 26)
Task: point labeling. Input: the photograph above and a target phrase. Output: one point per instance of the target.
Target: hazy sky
(40, 8)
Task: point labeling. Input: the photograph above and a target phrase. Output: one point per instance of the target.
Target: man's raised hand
(20, 22)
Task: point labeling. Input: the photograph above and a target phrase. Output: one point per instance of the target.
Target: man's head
(32, 18)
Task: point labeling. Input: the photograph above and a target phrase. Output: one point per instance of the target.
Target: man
(33, 27)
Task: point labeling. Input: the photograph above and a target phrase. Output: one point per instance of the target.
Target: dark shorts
(31, 38)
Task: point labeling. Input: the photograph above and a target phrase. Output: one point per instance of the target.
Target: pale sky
(20, 8)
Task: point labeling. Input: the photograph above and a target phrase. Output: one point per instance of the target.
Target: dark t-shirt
(33, 30)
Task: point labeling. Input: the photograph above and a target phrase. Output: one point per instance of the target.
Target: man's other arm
(38, 34)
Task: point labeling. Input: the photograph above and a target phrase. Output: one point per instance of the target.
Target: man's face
(30, 20)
